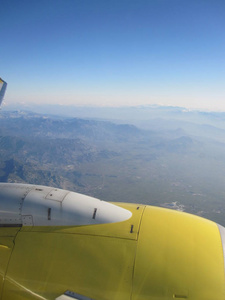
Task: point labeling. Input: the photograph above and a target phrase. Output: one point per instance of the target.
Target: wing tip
(2, 89)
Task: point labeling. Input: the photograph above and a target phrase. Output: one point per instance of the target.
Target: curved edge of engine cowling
(178, 256)
(222, 235)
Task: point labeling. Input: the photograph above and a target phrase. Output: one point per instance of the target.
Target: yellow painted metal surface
(9, 231)
(96, 261)
(45, 265)
(7, 236)
(158, 254)
(6, 246)
(179, 256)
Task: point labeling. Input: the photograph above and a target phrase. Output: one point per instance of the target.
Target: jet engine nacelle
(56, 244)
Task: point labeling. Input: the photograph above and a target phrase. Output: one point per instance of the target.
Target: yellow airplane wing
(56, 244)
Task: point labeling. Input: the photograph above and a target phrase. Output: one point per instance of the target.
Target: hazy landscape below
(154, 155)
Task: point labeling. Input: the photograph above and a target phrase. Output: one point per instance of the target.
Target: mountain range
(180, 166)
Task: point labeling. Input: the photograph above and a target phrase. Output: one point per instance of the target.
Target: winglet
(3, 86)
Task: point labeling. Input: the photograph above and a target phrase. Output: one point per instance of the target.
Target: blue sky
(110, 52)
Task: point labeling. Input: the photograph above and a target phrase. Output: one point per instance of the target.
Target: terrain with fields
(181, 166)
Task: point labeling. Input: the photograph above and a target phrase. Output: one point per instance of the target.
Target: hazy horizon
(156, 105)
(112, 53)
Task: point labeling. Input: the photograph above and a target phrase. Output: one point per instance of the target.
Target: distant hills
(137, 115)
(172, 161)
